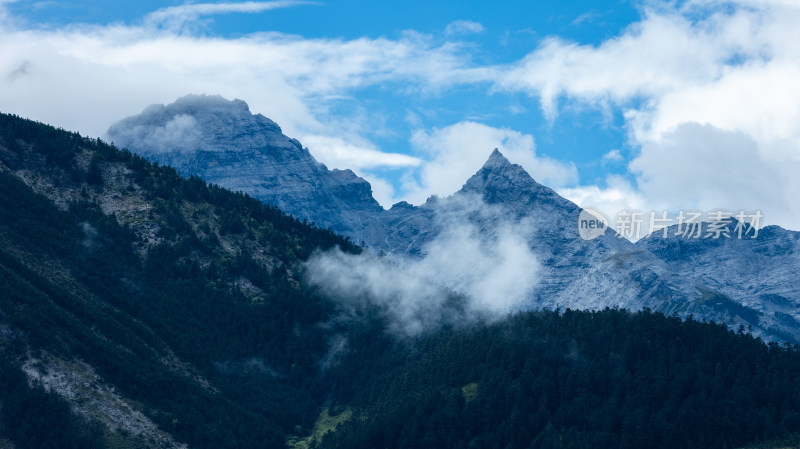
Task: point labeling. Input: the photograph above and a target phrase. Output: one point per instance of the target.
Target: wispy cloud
(468, 272)
(463, 27)
(174, 17)
(339, 152)
(613, 156)
(4, 16)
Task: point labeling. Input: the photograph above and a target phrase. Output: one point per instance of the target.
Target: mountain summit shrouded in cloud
(698, 95)
(223, 142)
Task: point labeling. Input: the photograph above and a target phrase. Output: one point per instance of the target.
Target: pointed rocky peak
(501, 181)
(498, 173)
(497, 160)
(498, 164)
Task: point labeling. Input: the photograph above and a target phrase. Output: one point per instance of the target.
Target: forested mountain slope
(167, 310)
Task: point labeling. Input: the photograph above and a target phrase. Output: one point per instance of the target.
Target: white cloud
(652, 57)
(618, 195)
(495, 268)
(382, 190)
(495, 271)
(613, 156)
(456, 152)
(412, 304)
(177, 17)
(179, 134)
(704, 167)
(7, 20)
(337, 152)
(761, 100)
(463, 27)
(279, 75)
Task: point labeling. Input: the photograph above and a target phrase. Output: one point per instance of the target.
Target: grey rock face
(758, 274)
(580, 274)
(223, 143)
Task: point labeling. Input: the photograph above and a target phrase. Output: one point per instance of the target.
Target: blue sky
(617, 104)
(585, 21)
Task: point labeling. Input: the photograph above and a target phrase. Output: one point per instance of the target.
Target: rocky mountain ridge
(756, 270)
(248, 152)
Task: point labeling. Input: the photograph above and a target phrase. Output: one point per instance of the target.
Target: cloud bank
(468, 272)
(181, 133)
